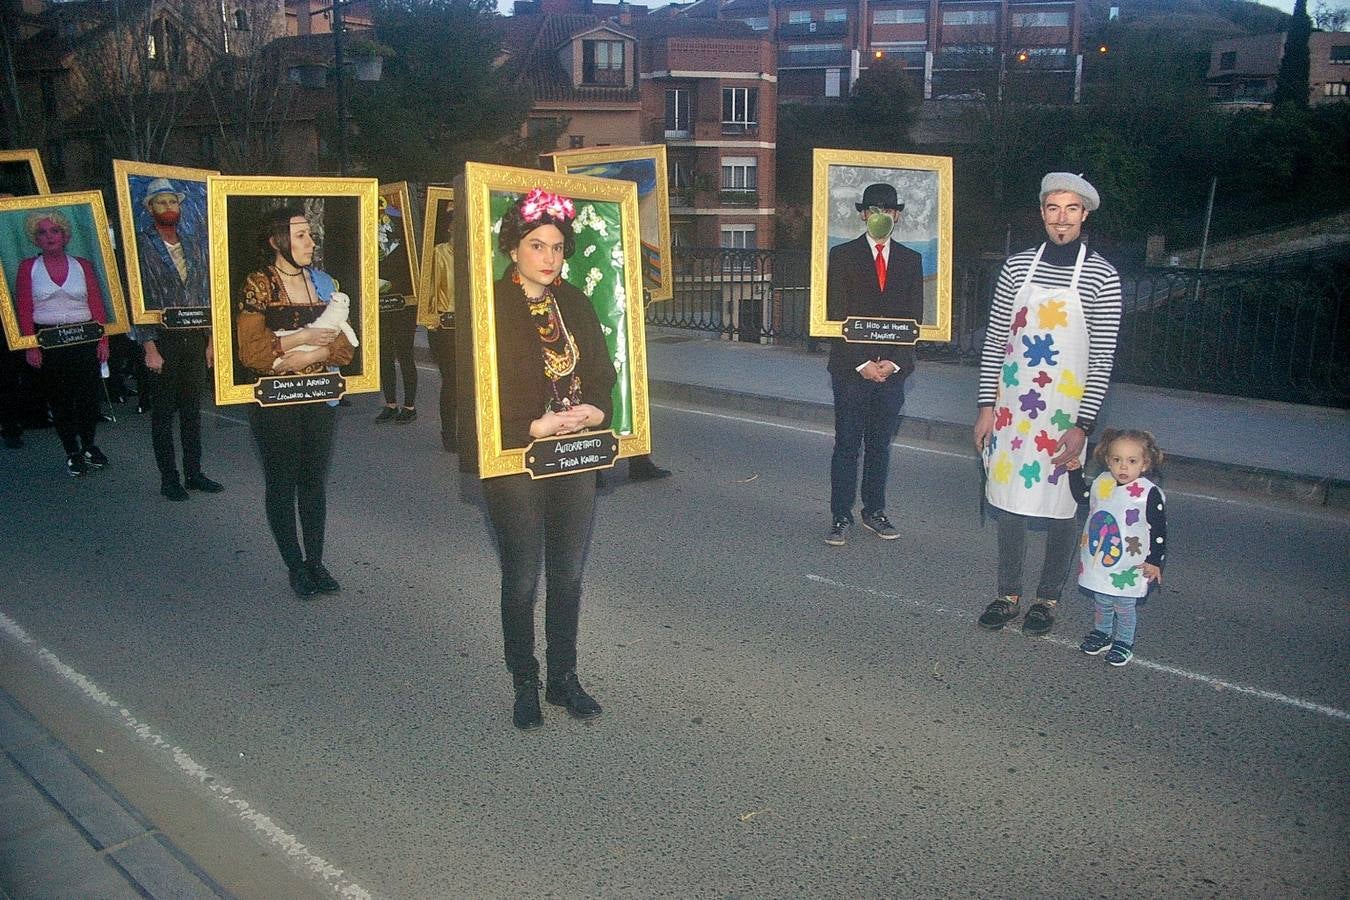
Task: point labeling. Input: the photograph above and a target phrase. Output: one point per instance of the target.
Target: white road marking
(1218, 684)
(316, 866)
(1230, 501)
(225, 417)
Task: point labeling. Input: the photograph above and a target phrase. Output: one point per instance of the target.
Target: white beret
(1075, 184)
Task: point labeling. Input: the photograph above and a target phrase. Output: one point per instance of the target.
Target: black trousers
(295, 446)
(396, 343)
(71, 381)
(551, 517)
(1061, 544)
(178, 389)
(11, 391)
(865, 417)
(442, 343)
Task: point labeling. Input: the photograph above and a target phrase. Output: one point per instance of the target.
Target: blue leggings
(1115, 614)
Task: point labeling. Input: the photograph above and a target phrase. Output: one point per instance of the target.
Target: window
(576, 141)
(969, 17)
(757, 23)
(966, 56)
(814, 48)
(740, 107)
(240, 20)
(1228, 60)
(1340, 53)
(1047, 58)
(681, 173)
(1334, 89)
(799, 16)
(738, 237)
(682, 234)
(1040, 20)
(677, 112)
(164, 45)
(900, 17)
(740, 173)
(832, 82)
(836, 15)
(602, 62)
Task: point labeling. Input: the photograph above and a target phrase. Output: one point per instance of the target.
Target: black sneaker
(324, 582)
(837, 536)
(405, 416)
(567, 691)
(1120, 654)
(1038, 620)
(1095, 642)
(525, 714)
(173, 490)
(388, 414)
(94, 457)
(200, 482)
(76, 465)
(878, 524)
(302, 583)
(999, 613)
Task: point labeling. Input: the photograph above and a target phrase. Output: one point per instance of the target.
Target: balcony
(738, 197)
(813, 59)
(812, 29)
(741, 128)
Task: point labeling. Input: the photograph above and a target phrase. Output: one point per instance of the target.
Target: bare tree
(1325, 18)
(248, 92)
(132, 67)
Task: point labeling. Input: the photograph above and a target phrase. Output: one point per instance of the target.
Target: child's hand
(1152, 573)
(1073, 463)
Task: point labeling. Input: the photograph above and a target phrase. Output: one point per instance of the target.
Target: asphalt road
(782, 719)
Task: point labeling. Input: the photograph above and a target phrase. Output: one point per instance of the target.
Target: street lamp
(341, 87)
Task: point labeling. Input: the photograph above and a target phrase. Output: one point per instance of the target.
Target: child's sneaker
(1120, 654)
(1095, 642)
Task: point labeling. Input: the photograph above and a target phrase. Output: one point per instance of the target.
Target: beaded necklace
(559, 350)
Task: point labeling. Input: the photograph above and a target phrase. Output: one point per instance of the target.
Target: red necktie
(881, 268)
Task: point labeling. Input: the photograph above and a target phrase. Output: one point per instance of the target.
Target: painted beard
(167, 217)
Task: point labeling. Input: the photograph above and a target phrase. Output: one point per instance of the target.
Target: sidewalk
(65, 833)
(1281, 449)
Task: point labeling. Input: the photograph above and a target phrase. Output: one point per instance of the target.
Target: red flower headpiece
(539, 201)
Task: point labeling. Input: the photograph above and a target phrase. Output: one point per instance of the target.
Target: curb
(1331, 493)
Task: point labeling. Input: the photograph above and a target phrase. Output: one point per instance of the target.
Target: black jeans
(396, 343)
(552, 516)
(866, 415)
(71, 380)
(295, 446)
(178, 389)
(442, 343)
(12, 369)
(1061, 539)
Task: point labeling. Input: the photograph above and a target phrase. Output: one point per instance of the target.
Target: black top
(852, 290)
(524, 390)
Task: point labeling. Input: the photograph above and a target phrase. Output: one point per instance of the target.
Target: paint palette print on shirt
(1103, 537)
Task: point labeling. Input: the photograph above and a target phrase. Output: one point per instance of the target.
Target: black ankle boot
(526, 715)
(567, 691)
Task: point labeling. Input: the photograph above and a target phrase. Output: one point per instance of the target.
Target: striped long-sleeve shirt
(1099, 289)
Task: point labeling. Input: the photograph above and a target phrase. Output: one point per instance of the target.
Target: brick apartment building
(1244, 71)
(706, 88)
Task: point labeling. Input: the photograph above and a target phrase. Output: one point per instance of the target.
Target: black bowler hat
(882, 195)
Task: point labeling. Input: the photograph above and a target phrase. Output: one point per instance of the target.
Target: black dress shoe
(173, 490)
(302, 583)
(323, 580)
(526, 715)
(200, 482)
(567, 691)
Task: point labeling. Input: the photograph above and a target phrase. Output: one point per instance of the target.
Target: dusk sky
(505, 6)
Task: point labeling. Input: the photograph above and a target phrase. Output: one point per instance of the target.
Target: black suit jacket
(852, 290)
(523, 387)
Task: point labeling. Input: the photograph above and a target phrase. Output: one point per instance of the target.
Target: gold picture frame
(645, 166)
(127, 178)
(35, 170)
(351, 206)
(90, 240)
(435, 264)
(401, 264)
(488, 186)
(924, 185)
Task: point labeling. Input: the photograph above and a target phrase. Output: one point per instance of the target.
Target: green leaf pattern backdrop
(597, 270)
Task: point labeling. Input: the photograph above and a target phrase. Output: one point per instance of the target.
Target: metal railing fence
(1277, 332)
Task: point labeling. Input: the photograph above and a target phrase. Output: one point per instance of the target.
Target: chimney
(625, 13)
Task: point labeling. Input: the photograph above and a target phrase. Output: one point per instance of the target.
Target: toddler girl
(1124, 543)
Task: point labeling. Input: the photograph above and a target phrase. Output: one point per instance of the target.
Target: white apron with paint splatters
(1039, 390)
(1115, 541)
